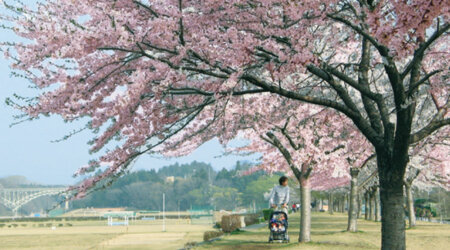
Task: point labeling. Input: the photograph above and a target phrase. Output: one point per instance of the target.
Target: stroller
(278, 226)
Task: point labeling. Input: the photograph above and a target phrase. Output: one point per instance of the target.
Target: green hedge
(267, 213)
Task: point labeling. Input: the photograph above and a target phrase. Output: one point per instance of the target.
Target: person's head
(283, 181)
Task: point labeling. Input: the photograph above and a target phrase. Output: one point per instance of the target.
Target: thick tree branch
(418, 54)
(363, 80)
(181, 29)
(415, 85)
(273, 140)
(339, 89)
(362, 89)
(381, 48)
(428, 130)
(196, 91)
(363, 125)
(146, 7)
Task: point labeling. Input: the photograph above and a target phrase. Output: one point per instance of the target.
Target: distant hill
(15, 181)
(18, 181)
(185, 170)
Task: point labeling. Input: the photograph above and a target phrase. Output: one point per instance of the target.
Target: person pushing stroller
(279, 197)
(278, 222)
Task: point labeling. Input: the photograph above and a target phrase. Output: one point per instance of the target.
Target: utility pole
(164, 212)
(178, 209)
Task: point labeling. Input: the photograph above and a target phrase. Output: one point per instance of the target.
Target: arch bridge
(15, 198)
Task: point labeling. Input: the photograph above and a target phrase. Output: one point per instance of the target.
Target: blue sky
(26, 149)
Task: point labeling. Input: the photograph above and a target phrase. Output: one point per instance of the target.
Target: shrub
(68, 225)
(41, 225)
(24, 225)
(2, 225)
(208, 235)
(48, 224)
(15, 225)
(60, 225)
(217, 225)
(230, 223)
(267, 213)
(189, 245)
(251, 219)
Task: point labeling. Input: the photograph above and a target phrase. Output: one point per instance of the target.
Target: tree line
(194, 185)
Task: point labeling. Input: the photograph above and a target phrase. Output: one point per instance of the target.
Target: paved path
(255, 226)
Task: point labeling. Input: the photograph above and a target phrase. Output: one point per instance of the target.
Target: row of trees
(196, 185)
(166, 76)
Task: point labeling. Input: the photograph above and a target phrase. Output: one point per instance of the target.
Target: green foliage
(195, 184)
(254, 191)
(266, 213)
(226, 198)
(199, 197)
(197, 169)
(425, 208)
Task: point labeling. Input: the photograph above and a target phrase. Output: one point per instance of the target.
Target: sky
(26, 149)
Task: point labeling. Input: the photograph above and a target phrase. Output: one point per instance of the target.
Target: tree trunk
(393, 223)
(410, 205)
(371, 205)
(305, 219)
(346, 203)
(377, 204)
(359, 205)
(391, 170)
(352, 211)
(330, 203)
(366, 207)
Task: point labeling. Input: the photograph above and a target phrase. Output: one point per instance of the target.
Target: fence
(433, 220)
(201, 215)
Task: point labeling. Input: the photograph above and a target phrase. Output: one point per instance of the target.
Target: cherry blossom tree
(145, 72)
(429, 167)
(354, 190)
(318, 146)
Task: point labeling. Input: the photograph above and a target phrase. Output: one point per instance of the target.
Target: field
(327, 234)
(96, 235)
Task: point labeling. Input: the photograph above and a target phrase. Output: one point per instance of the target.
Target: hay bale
(231, 222)
(208, 235)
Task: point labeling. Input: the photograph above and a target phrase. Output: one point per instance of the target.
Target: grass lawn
(97, 235)
(328, 233)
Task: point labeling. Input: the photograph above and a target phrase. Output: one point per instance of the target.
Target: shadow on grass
(233, 244)
(326, 232)
(254, 233)
(341, 244)
(248, 244)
